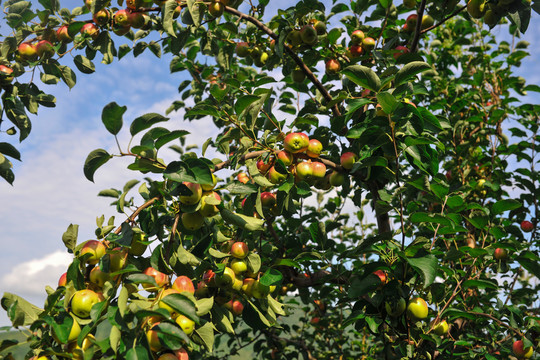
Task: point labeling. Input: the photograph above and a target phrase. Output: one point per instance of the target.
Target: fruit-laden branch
(458, 10)
(291, 53)
(417, 31)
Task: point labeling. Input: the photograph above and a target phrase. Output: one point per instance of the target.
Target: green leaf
(254, 262)
(137, 353)
(164, 139)
(145, 121)
(85, 65)
(318, 233)
(206, 335)
(530, 262)
(271, 277)
(9, 150)
(427, 266)
(387, 101)
(22, 313)
(481, 284)
(363, 76)
(242, 221)
(167, 14)
(70, 237)
(505, 205)
(410, 70)
(170, 335)
(204, 305)
(68, 76)
(194, 10)
(111, 116)
(182, 305)
(93, 161)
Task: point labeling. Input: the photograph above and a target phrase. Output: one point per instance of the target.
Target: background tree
(401, 116)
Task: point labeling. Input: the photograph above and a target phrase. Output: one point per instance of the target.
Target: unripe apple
(44, 49)
(527, 226)
(295, 38)
(78, 351)
(409, 3)
(500, 254)
(186, 324)
(183, 283)
(441, 328)
(82, 301)
(192, 221)
(520, 351)
(427, 21)
(309, 35)
(268, 199)
(348, 159)
(27, 51)
(314, 148)
(411, 22)
(417, 309)
(242, 49)
(260, 291)
(137, 19)
(73, 332)
(120, 30)
(226, 279)
(160, 278)
(216, 9)
(336, 178)
(295, 142)
(332, 67)
(209, 187)
(196, 194)
(476, 8)
(357, 37)
(63, 280)
(395, 308)
(153, 339)
(320, 27)
(275, 176)
(239, 250)
(368, 44)
(90, 30)
(298, 76)
(95, 248)
(118, 259)
(102, 17)
(304, 170)
(286, 157)
(239, 266)
(162, 304)
(98, 277)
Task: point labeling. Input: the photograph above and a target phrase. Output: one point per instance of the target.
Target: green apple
(409, 3)
(162, 304)
(216, 9)
(196, 194)
(118, 259)
(95, 248)
(73, 332)
(295, 38)
(242, 49)
(336, 178)
(186, 324)
(193, 221)
(304, 170)
(137, 247)
(209, 187)
(309, 35)
(286, 157)
(295, 143)
(98, 277)
(427, 21)
(82, 301)
(239, 266)
(275, 176)
(320, 27)
(417, 309)
(209, 209)
(395, 308)
(153, 339)
(476, 8)
(441, 328)
(247, 286)
(298, 76)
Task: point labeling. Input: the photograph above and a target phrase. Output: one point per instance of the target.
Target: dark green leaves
(111, 116)
(9, 150)
(182, 305)
(427, 266)
(93, 161)
(84, 64)
(145, 121)
(192, 170)
(363, 76)
(505, 205)
(410, 70)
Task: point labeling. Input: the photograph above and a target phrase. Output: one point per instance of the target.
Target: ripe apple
(186, 324)
(247, 286)
(427, 21)
(441, 328)
(336, 178)
(520, 351)
(90, 30)
(527, 226)
(239, 266)
(134, 4)
(63, 280)
(314, 148)
(27, 51)
(500, 254)
(295, 143)
(357, 37)
(160, 278)
(209, 277)
(216, 9)
(153, 340)
(6, 76)
(355, 50)
(44, 49)
(298, 76)
(183, 283)
(239, 250)
(304, 170)
(95, 248)
(120, 30)
(243, 178)
(411, 22)
(417, 309)
(400, 50)
(137, 19)
(332, 67)
(162, 304)
(209, 187)
(98, 277)
(263, 167)
(102, 17)
(121, 17)
(309, 35)
(196, 194)
(275, 176)
(348, 159)
(237, 307)
(318, 169)
(82, 301)
(62, 34)
(320, 27)
(268, 199)
(368, 44)
(382, 275)
(395, 308)
(286, 157)
(192, 221)
(118, 258)
(409, 3)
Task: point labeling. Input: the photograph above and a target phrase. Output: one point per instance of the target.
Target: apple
(320, 27)
(314, 148)
(268, 199)
(209, 187)
(27, 51)
(247, 286)
(82, 301)
(400, 50)
(298, 76)
(186, 324)
(243, 178)
(476, 8)
(315, 320)
(355, 51)
(336, 178)
(411, 22)
(409, 3)
(102, 17)
(237, 283)
(73, 332)
(295, 38)
(153, 339)
(368, 43)
(332, 67)
(263, 167)
(183, 283)
(417, 309)
(304, 170)
(427, 21)
(286, 157)
(295, 143)
(382, 275)
(137, 247)
(395, 308)
(209, 277)
(137, 19)
(226, 279)
(160, 278)
(237, 307)
(318, 170)
(177, 355)
(527, 226)
(216, 9)
(192, 221)
(98, 277)
(260, 291)
(6, 75)
(90, 30)
(62, 34)
(275, 176)
(309, 35)
(95, 248)
(441, 328)
(209, 210)
(44, 49)
(78, 351)
(500, 254)
(63, 280)
(239, 250)
(196, 194)
(239, 266)
(520, 351)
(242, 49)
(134, 4)
(118, 259)
(121, 17)
(357, 37)
(120, 30)
(162, 304)
(348, 159)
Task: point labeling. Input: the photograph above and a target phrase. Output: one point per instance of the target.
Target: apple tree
(374, 197)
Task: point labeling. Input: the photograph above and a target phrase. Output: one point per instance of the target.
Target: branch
(137, 212)
(417, 31)
(458, 10)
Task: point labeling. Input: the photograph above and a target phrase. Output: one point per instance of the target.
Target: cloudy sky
(50, 191)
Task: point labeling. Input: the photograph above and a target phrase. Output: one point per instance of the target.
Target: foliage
(425, 113)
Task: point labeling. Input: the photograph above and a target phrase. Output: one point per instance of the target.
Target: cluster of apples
(203, 199)
(255, 54)
(307, 34)
(492, 12)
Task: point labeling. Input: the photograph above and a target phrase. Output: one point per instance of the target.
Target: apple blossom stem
(417, 31)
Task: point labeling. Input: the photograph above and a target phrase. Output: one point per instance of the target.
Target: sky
(50, 191)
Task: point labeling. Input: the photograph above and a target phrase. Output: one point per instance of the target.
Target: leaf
(388, 102)
(481, 284)
(9, 150)
(204, 305)
(194, 11)
(137, 353)
(170, 335)
(253, 262)
(183, 305)
(145, 121)
(505, 205)
(70, 237)
(271, 277)
(24, 313)
(530, 262)
(427, 266)
(111, 116)
(410, 70)
(68, 76)
(243, 221)
(85, 65)
(168, 16)
(318, 233)
(206, 335)
(93, 161)
(363, 76)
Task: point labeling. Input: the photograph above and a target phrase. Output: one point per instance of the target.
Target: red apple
(237, 307)
(263, 167)
(400, 50)
(91, 30)
(27, 51)
(368, 44)
(95, 248)
(382, 275)
(239, 250)
(6, 75)
(82, 301)
(268, 199)
(286, 157)
(137, 19)
(348, 159)
(160, 278)
(304, 170)
(520, 351)
(411, 22)
(183, 283)
(63, 279)
(295, 143)
(356, 50)
(318, 169)
(209, 277)
(527, 226)
(196, 194)
(242, 49)
(314, 148)
(332, 67)
(121, 17)
(44, 49)
(62, 34)
(243, 178)
(357, 37)
(500, 254)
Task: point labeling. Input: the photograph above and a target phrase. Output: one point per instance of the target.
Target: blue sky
(50, 191)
